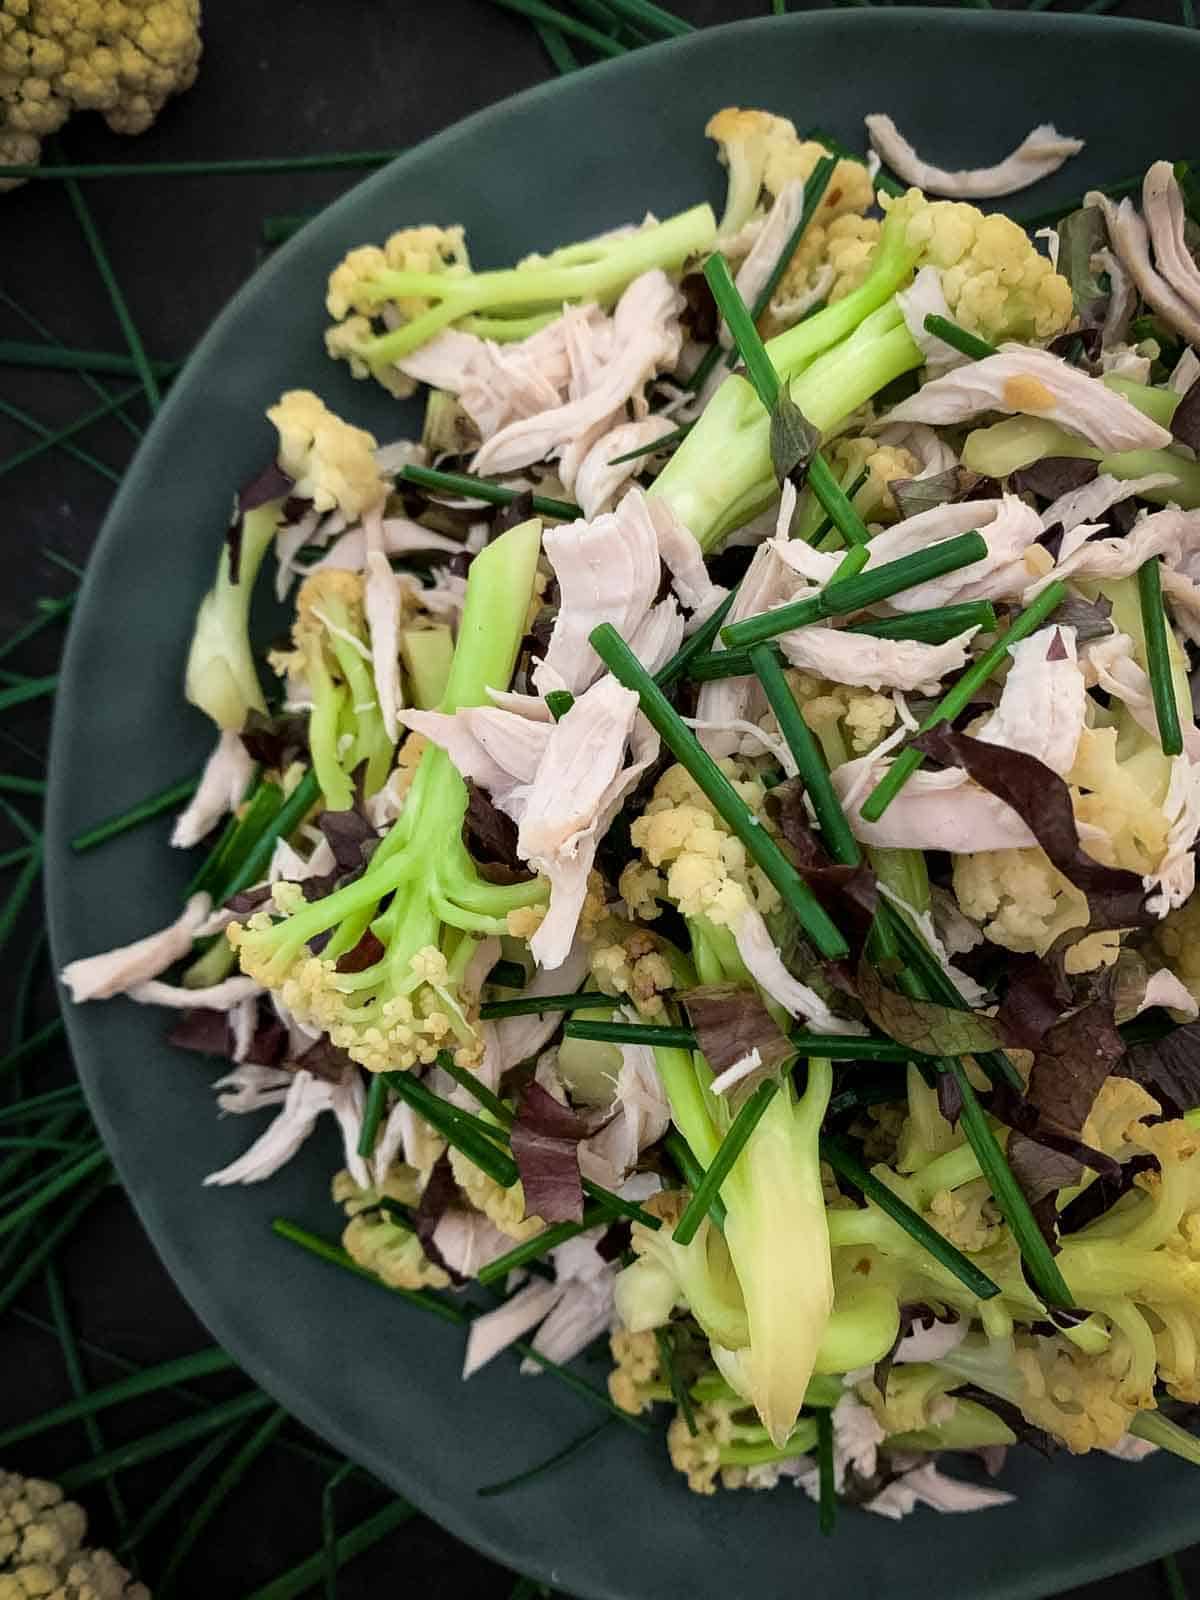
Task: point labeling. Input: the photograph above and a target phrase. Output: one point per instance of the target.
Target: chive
(666, 1359)
(692, 1173)
(17, 353)
(459, 483)
(651, 16)
(51, 1100)
(286, 820)
(220, 1491)
(36, 1142)
(300, 1579)
(643, 1033)
(696, 646)
(489, 1101)
(48, 1241)
(94, 384)
(372, 1115)
(852, 563)
(616, 1206)
(20, 823)
(279, 229)
(683, 745)
(846, 1166)
(1158, 657)
(814, 773)
(53, 439)
(180, 1484)
(562, 57)
(261, 803)
(164, 1440)
(144, 811)
(968, 344)
(183, 1369)
(540, 1005)
(329, 1527)
(458, 1128)
(85, 456)
(932, 627)
(75, 1376)
(108, 277)
(935, 561)
(533, 1249)
(67, 1179)
(10, 858)
(529, 1474)
(1007, 1193)
(1172, 1577)
(537, 11)
(423, 1299)
(507, 975)
(827, 1490)
(326, 162)
(12, 784)
(19, 894)
(883, 181)
(958, 698)
(654, 446)
(718, 664)
(559, 702)
(825, 529)
(51, 611)
(34, 689)
(742, 1126)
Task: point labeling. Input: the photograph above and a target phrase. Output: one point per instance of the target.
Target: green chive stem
(826, 1482)
(100, 390)
(62, 436)
(559, 702)
(700, 642)
(300, 1580)
(731, 1147)
(644, 1033)
(495, 494)
(101, 468)
(18, 353)
(692, 1173)
(153, 806)
(655, 445)
(467, 1079)
(376, 1099)
(458, 1128)
(538, 11)
(533, 1249)
(1158, 657)
(286, 820)
(967, 344)
(164, 1440)
(534, 1591)
(539, 1005)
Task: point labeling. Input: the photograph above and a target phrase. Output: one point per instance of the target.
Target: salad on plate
(720, 836)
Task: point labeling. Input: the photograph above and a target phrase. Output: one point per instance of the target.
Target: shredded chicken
(1039, 153)
(765, 965)
(1130, 239)
(114, 972)
(924, 298)
(1043, 705)
(223, 785)
(934, 811)
(1022, 379)
(308, 1097)
(858, 659)
(1171, 534)
(1162, 207)
(755, 271)
(602, 474)
(1092, 500)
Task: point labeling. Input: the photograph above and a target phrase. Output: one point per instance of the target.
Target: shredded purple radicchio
(272, 483)
(731, 1023)
(545, 1146)
(439, 1195)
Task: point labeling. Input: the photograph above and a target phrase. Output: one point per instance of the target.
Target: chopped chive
(285, 821)
(204, 169)
(530, 1473)
(559, 702)
(1158, 657)
(654, 446)
(540, 1005)
(666, 1359)
(260, 807)
(967, 344)
(164, 1440)
(372, 1115)
(1010, 1199)
(329, 1527)
(184, 1369)
(67, 1179)
(742, 1126)
(562, 57)
(53, 1100)
(62, 436)
(932, 627)
(94, 384)
(1172, 1577)
(33, 689)
(17, 353)
(179, 1485)
(692, 1173)
(19, 894)
(279, 229)
(11, 858)
(21, 823)
(69, 1347)
(108, 277)
(814, 773)
(466, 487)
(467, 1079)
(12, 784)
(826, 1483)
(507, 975)
(879, 583)
(616, 1206)
(852, 563)
(85, 456)
(424, 1299)
(226, 1481)
(458, 1128)
(815, 186)
(958, 698)
(883, 181)
(534, 1249)
(759, 367)
(39, 1142)
(825, 530)
(718, 664)
(33, 1045)
(48, 1241)
(644, 1033)
(651, 16)
(716, 787)
(144, 811)
(846, 1166)
(302, 1577)
(538, 11)
(696, 646)
(51, 611)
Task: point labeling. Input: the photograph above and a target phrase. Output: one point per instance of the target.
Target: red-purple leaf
(272, 483)
(1053, 476)
(924, 1025)
(1185, 424)
(324, 1060)
(366, 953)
(203, 1030)
(545, 1146)
(491, 837)
(275, 742)
(731, 1022)
(437, 1197)
(1169, 1068)
(1037, 995)
(1043, 801)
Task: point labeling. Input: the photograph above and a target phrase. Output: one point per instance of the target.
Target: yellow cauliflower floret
(1021, 900)
(828, 264)
(1178, 937)
(1086, 1401)
(995, 281)
(884, 462)
(626, 960)
(763, 153)
(966, 1216)
(377, 1241)
(1122, 797)
(332, 462)
(504, 1208)
(847, 720)
(42, 1552)
(635, 1381)
(915, 1398)
(123, 58)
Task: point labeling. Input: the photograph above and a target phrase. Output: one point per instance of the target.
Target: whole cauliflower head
(333, 463)
(123, 58)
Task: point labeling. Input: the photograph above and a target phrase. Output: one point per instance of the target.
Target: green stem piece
(164, 1440)
(153, 806)
(494, 494)
(740, 1129)
(967, 344)
(1158, 657)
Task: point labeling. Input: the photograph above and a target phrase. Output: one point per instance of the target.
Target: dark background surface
(276, 79)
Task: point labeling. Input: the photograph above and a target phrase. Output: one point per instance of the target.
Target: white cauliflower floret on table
(42, 1552)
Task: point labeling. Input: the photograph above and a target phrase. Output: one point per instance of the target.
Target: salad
(720, 836)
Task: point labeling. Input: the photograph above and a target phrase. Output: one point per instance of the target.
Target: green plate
(379, 1380)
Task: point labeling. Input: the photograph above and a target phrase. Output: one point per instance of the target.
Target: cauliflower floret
(41, 1548)
(1021, 900)
(1178, 937)
(995, 282)
(966, 1216)
(627, 960)
(635, 1382)
(377, 1240)
(504, 1208)
(1122, 796)
(884, 463)
(333, 464)
(763, 152)
(915, 1399)
(1084, 1400)
(847, 720)
(828, 264)
(124, 60)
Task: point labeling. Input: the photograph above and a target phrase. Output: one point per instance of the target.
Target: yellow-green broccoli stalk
(406, 1005)
(322, 459)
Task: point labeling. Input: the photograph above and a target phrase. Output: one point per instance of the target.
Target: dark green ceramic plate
(376, 1379)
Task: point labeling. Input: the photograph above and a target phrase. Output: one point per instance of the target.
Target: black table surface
(280, 79)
